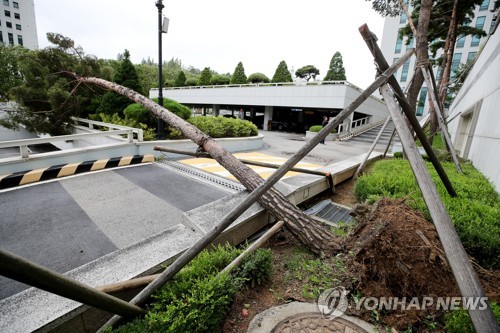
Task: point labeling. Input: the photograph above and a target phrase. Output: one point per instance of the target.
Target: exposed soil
(393, 251)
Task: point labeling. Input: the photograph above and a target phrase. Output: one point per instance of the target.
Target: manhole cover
(314, 322)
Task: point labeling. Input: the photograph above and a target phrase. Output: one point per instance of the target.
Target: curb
(63, 170)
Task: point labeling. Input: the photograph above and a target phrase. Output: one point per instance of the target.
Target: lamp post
(161, 124)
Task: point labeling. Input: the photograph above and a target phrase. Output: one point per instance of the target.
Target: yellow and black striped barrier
(62, 170)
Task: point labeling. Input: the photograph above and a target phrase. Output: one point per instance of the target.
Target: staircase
(370, 136)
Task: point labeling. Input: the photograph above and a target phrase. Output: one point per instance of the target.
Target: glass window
(471, 55)
(455, 63)
(479, 24)
(7, 13)
(421, 101)
(484, 5)
(20, 40)
(1, 38)
(403, 18)
(18, 27)
(6, 2)
(8, 24)
(460, 42)
(492, 26)
(399, 42)
(11, 38)
(404, 73)
(393, 62)
(15, 4)
(410, 44)
(17, 16)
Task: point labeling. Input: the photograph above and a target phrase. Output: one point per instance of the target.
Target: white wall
(475, 124)
(336, 96)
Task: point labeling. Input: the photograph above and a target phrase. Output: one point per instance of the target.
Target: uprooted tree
(318, 239)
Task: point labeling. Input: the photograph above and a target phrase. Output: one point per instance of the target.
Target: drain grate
(205, 175)
(330, 211)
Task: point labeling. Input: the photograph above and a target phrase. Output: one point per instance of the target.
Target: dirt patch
(393, 252)
(396, 253)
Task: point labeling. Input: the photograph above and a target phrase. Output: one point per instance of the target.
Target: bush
(192, 82)
(221, 127)
(148, 133)
(220, 80)
(458, 321)
(197, 300)
(140, 114)
(475, 212)
(315, 128)
(258, 78)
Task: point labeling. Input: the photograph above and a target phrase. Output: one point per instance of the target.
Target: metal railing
(276, 84)
(112, 130)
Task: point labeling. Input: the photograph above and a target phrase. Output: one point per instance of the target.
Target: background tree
(307, 72)
(180, 80)
(125, 75)
(148, 76)
(282, 74)
(336, 71)
(10, 76)
(239, 76)
(219, 80)
(205, 76)
(192, 82)
(46, 95)
(258, 78)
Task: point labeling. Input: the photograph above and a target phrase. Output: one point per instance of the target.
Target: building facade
(466, 48)
(18, 23)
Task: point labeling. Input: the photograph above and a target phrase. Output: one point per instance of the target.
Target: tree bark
(318, 239)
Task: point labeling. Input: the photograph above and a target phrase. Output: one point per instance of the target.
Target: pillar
(268, 116)
(215, 109)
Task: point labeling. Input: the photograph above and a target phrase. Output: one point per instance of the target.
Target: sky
(220, 33)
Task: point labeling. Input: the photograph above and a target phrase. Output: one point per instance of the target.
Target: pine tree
(126, 75)
(336, 72)
(307, 72)
(205, 77)
(282, 73)
(239, 76)
(180, 80)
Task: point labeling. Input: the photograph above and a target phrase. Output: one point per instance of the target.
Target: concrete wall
(332, 96)
(474, 126)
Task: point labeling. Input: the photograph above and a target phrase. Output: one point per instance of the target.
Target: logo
(332, 303)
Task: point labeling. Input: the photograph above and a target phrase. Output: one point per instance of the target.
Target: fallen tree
(318, 239)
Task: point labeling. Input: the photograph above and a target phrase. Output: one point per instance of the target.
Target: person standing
(324, 123)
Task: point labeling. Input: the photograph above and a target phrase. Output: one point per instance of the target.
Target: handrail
(91, 123)
(274, 84)
(23, 144)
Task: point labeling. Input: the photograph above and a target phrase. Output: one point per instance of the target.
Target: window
(17, 16)
(484, 5)
(404, 73)
(6, 2)
(11, 38)
(18, 27)
(421, 101)
(393, 62)
(8, 24)
(455, 63)
(20, 40)
(15, 4)
(402, 19)
(460, 42)
(399, 42)
(492, 26)
(7, 13)
(410, 44)
(1, 38)
(471, 55)
(479, 24)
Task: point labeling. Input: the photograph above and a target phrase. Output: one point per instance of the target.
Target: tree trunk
(318, 239)
(446, 69)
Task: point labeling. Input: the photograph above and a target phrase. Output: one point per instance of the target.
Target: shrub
(258, 78)
(192, 82)
(221, 127)
(315, 128)
(148, 133)
(475, 212)
(220, 80)
(458, 321)
(139, 113)
(197, 300)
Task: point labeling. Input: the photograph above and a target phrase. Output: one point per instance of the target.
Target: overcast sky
(220, 33)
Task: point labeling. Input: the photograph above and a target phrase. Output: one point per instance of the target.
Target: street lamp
(162, 28)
